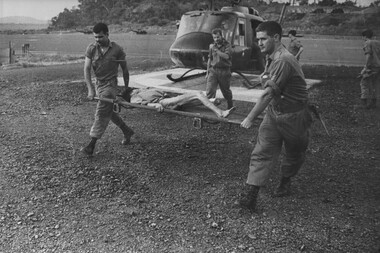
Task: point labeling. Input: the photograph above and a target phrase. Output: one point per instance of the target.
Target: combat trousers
(221, 77)
(290, 130)
(370, 87)
(104, 111)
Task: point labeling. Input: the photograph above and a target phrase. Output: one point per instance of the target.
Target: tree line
(146, 12)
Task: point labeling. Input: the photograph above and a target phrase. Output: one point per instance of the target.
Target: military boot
(249, 197)
(372, 104)
(230, 104)
(363, 104)
(89, 149)
(128, 132)
(284, 188)
(127, 137)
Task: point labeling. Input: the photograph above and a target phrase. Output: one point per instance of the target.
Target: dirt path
(173, 188)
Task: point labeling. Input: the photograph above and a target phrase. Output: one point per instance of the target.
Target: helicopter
(238, 23)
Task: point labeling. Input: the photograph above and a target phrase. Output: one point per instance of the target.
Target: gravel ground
(173, 188)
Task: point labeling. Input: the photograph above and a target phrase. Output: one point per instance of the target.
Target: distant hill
(22, 20)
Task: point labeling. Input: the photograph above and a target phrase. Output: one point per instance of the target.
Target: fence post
(10, 52)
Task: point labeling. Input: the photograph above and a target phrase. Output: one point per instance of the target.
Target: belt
(290, 108)
(226, 67)
(105, 81)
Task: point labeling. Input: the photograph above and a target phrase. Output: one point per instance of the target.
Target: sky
(38, 9)
(47, 9)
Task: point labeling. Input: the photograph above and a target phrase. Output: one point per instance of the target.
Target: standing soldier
(105, 57)
(370, 83)
(219, 67)
(287, 119)
(295, 47)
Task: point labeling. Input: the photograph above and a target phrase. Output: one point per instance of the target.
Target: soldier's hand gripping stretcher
(262, 102)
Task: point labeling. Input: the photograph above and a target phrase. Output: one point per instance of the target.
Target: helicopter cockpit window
(240, 33)
(205, 22)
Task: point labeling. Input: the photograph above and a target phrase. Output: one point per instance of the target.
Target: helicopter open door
(246, 53)
(241, 51)
(257, 57)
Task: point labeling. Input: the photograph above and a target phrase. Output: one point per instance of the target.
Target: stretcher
(199, 114)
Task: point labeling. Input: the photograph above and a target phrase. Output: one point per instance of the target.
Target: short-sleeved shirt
(105, 65)
(216, 60)
(294, 46)
(372, 48)
(289, 84)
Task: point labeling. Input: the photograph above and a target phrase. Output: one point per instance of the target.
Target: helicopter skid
(185, 76)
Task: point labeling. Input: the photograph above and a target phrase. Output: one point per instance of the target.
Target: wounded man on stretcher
(163, 100)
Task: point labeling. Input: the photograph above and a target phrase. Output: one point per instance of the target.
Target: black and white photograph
(177, 126)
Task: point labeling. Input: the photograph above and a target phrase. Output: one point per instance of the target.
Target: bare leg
(179, 100)
(225, 113)
(219, 112)
(190, 98)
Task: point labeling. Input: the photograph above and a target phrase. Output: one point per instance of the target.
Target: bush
(337, 11)
(295, 16)
(163, 22)
(356, 22)
(318, 10)
(153, 21)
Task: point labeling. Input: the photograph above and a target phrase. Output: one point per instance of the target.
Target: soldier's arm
(124, 68)
(367, 53)
(87, 77)
(209, 61)
(262, 103)
(225, 55)
(300, 50)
